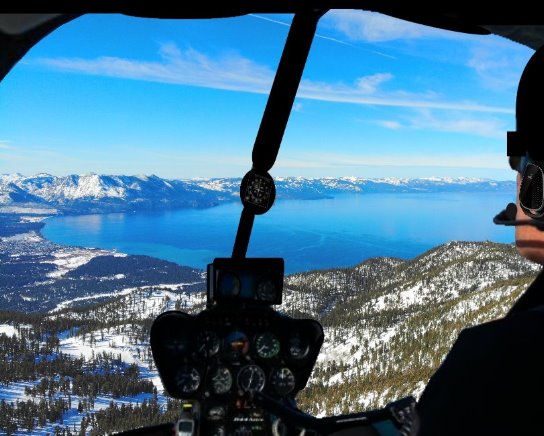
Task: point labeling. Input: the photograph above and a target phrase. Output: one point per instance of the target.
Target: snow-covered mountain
(102, 193)
(388, 322)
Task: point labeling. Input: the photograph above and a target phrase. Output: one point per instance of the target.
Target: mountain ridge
(93, 193)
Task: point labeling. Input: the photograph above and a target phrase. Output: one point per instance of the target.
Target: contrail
(339, 41)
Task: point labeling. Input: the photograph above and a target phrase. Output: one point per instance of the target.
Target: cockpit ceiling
(19, 32)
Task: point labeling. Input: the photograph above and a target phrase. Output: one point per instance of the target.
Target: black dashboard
(222, 357)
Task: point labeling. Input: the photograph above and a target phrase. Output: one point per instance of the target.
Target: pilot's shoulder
(492, 371)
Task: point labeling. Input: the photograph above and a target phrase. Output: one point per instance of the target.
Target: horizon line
(274, 178)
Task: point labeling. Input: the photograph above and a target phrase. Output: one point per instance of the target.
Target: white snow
(25, 298)
(69, 303)
(28, 210)
(22, 237)
(67, 260)
(8, 330)
(32, 219)
(152, 303)
(214, 185)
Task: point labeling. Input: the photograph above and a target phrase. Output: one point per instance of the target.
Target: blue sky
(380, 97)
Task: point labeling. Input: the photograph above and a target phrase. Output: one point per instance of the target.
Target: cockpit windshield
(123, 144)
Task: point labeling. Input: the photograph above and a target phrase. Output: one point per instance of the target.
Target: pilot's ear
(514, 162)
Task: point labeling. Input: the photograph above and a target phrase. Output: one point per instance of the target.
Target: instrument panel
(221, 357)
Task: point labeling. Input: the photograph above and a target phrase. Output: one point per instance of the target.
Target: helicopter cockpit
(239, 364)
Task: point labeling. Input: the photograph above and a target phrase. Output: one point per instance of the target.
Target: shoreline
(38, 274)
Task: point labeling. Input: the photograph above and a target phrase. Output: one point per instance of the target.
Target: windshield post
(276, 115)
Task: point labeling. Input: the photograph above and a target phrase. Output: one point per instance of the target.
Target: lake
(308, 234)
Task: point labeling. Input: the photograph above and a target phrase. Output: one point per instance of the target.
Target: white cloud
(370, 84)
(236, 73)
(375, 27)
(451, 122)
(333, 160)
(5, 144)
(389, 124)
(341, 93)
(497, 61)
(188, 67)
(499, 69)
(457, 123)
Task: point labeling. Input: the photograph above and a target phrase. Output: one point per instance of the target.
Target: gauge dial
(298, 347)
(266, 290)
(279, 428)
(187, 379)
(229, 284)
(283, 380)
(251, 378)
(267, 345)
(216, 413)
(236, 345)
(176, 345)
(207, 343)
(221, 380)
(219, 431)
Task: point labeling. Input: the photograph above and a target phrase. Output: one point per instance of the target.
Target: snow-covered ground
(110, 341)
(67, 260)
(162, 297)
(29, 237)
(7, 330)
(71, 418)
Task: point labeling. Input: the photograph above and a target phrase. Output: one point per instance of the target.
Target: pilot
(492, 380)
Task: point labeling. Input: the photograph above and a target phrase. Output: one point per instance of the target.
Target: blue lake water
(308, 234)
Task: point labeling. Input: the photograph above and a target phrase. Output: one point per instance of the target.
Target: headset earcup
(531, 193)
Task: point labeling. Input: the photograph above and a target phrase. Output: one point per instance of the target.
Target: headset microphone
(508, 218)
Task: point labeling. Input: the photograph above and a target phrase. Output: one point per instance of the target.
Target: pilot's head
(526, 151)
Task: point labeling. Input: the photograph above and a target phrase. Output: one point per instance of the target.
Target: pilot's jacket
(492, 380)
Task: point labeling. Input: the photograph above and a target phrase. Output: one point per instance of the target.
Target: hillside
(388, 324)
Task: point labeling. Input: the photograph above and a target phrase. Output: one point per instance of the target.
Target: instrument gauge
(282, 380)
(207, 343)
(187, 379)
(266, 290)
(251, 378)
(267, 345)
(229, 284)
(176, 345)
(216, 413)
(221, 380)
(219, 431)
(236, 345)
(298, 347)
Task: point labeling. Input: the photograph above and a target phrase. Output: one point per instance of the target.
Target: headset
(525, 147)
